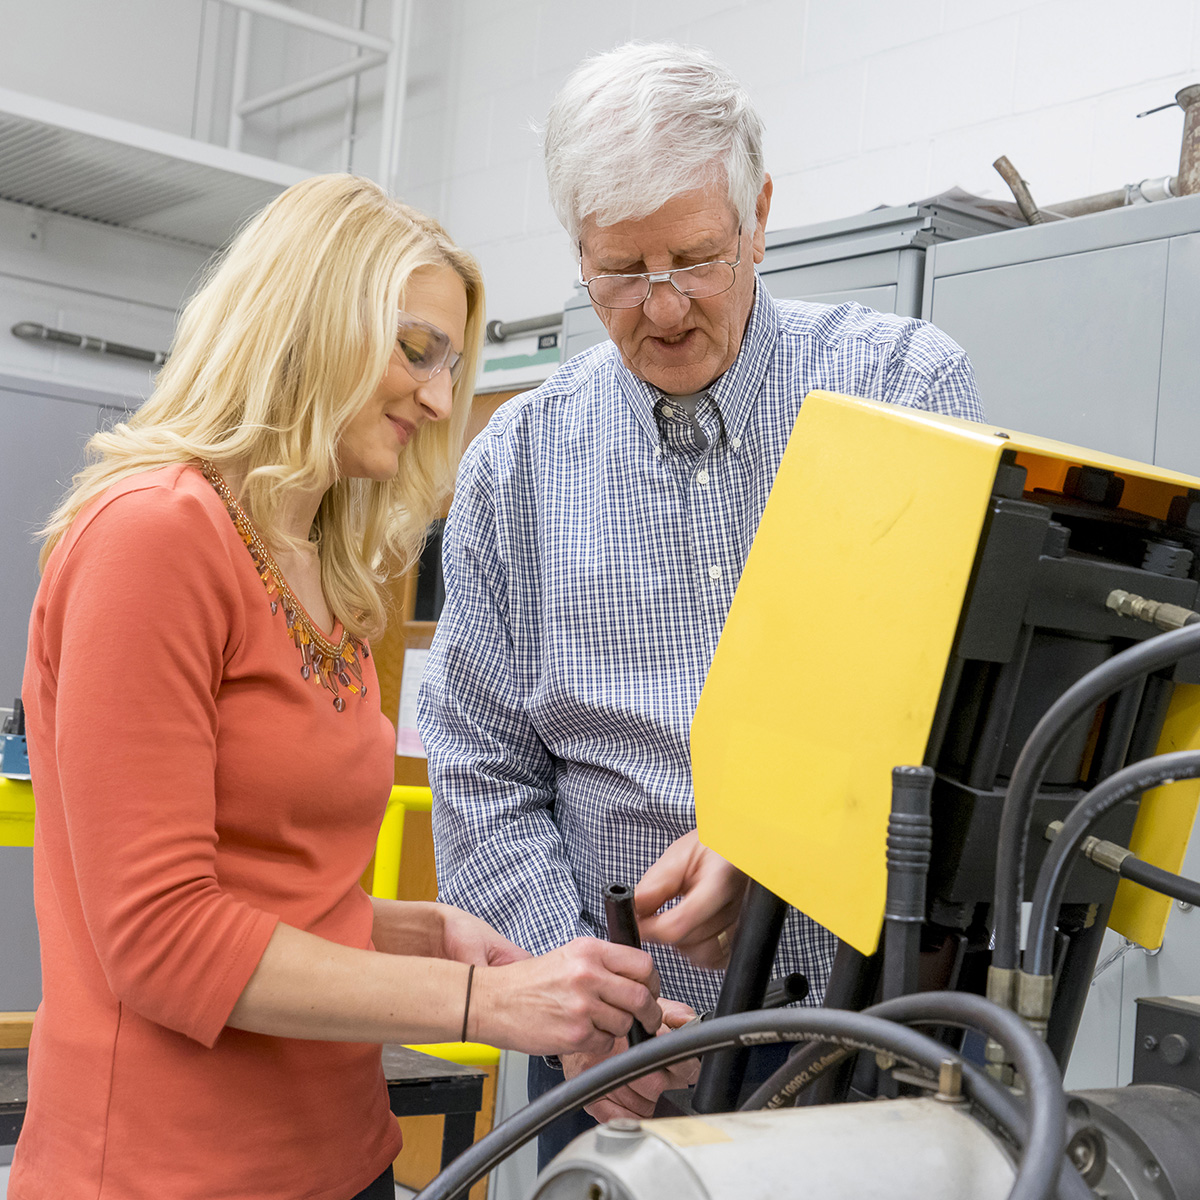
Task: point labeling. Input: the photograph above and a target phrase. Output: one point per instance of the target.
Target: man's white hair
(636, 126)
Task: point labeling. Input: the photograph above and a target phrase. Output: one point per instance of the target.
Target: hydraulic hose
(944, 1008)
(1037, 1171)
(1061, 857)
(1155, 653)
(1158, 880)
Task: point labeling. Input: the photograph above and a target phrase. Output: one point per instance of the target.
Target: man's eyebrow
(702, 250)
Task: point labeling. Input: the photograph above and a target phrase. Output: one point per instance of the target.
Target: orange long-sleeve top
(192, 791)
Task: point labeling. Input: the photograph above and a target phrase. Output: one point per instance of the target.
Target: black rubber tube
(1062, 855)
(1158, 880)
(1037, 1171)
(743, 990)
(1155, 653)
(621, 919)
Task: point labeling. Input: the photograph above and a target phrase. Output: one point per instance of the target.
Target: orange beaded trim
(333, 664)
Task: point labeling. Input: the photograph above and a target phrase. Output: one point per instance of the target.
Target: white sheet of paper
(408, 740)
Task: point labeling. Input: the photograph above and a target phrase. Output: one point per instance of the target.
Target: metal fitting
(949, 1081)
(1035, 995)
(1152, 612)
(1104, 854)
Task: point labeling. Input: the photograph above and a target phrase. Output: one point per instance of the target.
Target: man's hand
(711, 891)
(637, 1099)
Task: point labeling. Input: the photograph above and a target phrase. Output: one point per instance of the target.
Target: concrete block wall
(866, 102)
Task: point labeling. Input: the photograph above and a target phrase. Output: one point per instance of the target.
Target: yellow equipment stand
(829, 669)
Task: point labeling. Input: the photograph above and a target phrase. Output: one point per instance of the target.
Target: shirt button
(667, 411)
(714, 572)
(736, 443)
(701, 476)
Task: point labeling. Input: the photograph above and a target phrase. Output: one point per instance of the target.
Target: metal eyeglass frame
(653, 277)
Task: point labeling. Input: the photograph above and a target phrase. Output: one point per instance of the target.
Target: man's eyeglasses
(630, 291)
(426, 349)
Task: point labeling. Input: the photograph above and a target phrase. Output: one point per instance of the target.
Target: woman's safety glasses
(426, 349)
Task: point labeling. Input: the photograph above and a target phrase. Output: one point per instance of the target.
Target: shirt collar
(736, 392)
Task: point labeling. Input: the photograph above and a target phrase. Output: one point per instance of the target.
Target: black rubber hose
(1062, 855)
(1155, 653)
(1037, 1171)
(621, 919)
(815, 1059)
(1158, 880)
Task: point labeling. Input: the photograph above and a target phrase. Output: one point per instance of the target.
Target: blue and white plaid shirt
(590, 559)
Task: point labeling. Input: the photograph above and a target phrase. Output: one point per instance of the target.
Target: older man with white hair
(601, 522)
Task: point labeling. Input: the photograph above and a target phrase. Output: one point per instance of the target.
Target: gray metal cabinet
(1083, 330)
(45, 427)
(1177, 444)
(876, 258)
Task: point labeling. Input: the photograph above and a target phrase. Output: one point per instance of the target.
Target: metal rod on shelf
(500, 331)
(31, 331)
(302, 86)
(302, 20)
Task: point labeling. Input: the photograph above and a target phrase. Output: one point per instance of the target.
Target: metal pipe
(241, 60)
(501, 331)
(1019, 189)
(350, 135)
(1188, 99)
(301, 87)
(395, 89)
(1147, 192)
(302, 20)
(31, 331)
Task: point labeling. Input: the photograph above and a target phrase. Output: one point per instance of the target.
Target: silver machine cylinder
(886, 1150)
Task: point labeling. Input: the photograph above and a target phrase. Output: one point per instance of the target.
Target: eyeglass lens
(628, 291)
(426, 348)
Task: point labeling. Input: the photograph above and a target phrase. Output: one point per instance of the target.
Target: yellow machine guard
(828, 671)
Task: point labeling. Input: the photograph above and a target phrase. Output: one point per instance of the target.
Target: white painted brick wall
(866, 102)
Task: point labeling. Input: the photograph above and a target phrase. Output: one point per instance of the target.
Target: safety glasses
(426, 349)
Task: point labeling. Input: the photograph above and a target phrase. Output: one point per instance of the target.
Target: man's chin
(675, 379)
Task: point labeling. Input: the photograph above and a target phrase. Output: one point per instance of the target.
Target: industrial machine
(962, 671)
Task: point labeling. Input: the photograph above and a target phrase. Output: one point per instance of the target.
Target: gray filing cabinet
(1084, 330)
(43, 429)
(876, 258)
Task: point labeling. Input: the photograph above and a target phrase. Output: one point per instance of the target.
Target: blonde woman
(208, 752)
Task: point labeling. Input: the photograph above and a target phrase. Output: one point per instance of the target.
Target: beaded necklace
(334, 664)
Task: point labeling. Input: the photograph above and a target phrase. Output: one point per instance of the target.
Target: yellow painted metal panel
(16, 812)
(1163, 826)
(828, 671)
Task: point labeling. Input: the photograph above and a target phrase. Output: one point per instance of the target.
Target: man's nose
(666, 305)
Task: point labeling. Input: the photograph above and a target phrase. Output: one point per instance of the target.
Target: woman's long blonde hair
(282, 345)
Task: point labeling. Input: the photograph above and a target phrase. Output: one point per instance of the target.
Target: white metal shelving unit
(82, 164)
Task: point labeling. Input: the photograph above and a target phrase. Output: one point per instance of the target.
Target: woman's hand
(639, 1098)
(433, 930)
(711, 891)
(469, 939)
(579, 998)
